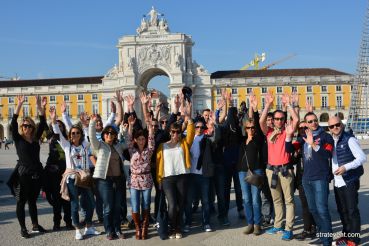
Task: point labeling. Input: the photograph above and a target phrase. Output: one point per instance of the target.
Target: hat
(187, 93)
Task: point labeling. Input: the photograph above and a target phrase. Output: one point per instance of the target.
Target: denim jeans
(317, 193)
(74, 194)
(219, 180)
(135, 199)
(197, 182)
(251, 198)
(231, 158)
(110, 190)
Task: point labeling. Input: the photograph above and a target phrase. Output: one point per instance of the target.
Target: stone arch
(324, 117)
(148, 74)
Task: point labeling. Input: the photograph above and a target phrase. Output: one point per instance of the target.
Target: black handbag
(162, 218)
(253, 178)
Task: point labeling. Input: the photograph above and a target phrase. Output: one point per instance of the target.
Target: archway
(324, 117)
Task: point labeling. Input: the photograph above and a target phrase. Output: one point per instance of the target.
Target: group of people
(186, 160)
(6, 143)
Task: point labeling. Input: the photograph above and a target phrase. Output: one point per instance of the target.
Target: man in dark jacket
(317, 147)
(347, 167)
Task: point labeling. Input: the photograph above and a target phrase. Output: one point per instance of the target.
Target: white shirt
(174, 163)
(357, 152)
(195, 153)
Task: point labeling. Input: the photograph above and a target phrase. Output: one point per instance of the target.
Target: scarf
(276, 132)
(308, 150)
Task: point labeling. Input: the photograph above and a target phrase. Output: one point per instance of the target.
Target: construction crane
(16, 77)
(277, 62)
(255, 62)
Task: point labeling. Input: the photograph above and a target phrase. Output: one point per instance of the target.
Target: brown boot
(136, 220)
(249, 229)
(257, 230)
(145, 223)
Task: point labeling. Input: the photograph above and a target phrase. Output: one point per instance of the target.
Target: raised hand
(130, 100)
(269, 98)
(157, 107)
(253, 101)
(38, 101)
(289, 129)
(285, 99)
(63, 107)
(84, 118)
(52, 112)
(21, 99)
(113, 107)
(308, 106)
(118, 96)
(309, 137)
(187, 111)
(93, 117)
(224, 94)
(131, 120)
(295, 98)
(221, 103)
(144, 98)
(44, 102)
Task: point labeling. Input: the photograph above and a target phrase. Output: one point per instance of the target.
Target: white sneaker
(91, 231)
(207, 228)
(178, 235)
(78, 235)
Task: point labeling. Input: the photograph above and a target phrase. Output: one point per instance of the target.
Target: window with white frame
(247, 103)
(324, 101)
(249, 90)
(66, 98)
(264, 90)
(95, 108)
(294, 88)
(25, 98)
(279, 89)
(11, 100)
(234, 91)
(309, 88)
(94, 97)
(338, 88)
(263, 102)
(67, 110)
(279, 102)
(80, 97)
(234, 102)
(324, 88)
(25, 111)
(52, 99)
(219, 91)
(10, 111)
(81, 108)
(339, 101)
(309, 99)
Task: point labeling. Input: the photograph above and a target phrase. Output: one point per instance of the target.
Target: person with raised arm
(173, 160)
(251, 159)
(76, 155)
(109, 175)
(29, 169)
(279, 170)
(141, 147)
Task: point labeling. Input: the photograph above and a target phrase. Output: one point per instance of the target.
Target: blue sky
(69, 38)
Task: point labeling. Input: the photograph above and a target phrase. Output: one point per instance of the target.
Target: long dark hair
(52, 135)
(80, 130)
(138, 133)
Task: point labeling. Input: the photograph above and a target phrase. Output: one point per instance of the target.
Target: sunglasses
(175, 131)
(201, 127)
(155, 125)
(250, 127)
(163, 122)
(110, 133)
(279, 119)
(303, 128)
(27, 126)
(75, 133)
(335, 125)
(311, 121)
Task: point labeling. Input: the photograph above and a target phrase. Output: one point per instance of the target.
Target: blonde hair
(31, 122)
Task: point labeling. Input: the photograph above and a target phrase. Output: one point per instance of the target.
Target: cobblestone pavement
(222, 236)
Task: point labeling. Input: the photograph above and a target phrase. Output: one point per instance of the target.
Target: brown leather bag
(84, 179)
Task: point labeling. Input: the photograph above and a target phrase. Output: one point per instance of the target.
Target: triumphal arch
(155, 50)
